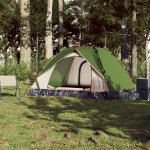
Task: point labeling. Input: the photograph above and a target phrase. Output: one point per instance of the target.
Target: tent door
(98, 83)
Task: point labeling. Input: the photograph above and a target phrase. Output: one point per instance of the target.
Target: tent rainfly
(86, 71)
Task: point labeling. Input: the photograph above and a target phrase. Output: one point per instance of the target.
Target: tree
(75, 16)
(139, 29)
(25, 47)
(48, 36)
(38, 26)
(147, 61)
(124, 53)
(134, 46)
(106, 17)
(9, 28)
(61, 39)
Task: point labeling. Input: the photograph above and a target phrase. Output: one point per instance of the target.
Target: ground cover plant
(62, 123)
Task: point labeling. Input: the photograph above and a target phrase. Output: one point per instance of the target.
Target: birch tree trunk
(134, 46)
(61, 37)
(25, 48)
(48, 36)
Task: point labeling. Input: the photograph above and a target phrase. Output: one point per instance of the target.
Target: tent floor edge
(78, 94)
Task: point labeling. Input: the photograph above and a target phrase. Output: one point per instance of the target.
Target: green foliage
(9, 25)
(35, 69)
(106, 17)
(55, 14)
(95, 18)
(11, 67)
(141, 69)
(38, 26)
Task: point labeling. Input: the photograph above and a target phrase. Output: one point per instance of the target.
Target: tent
(82, 72)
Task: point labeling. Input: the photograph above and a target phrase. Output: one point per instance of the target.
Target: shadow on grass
(130, 119)
(8, 94)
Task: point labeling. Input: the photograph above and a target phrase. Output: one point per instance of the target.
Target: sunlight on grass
(113, 116)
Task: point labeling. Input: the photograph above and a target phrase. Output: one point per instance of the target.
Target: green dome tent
(85, 70)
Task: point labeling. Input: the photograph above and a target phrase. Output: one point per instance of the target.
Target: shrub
(12, 67)
(36, 69)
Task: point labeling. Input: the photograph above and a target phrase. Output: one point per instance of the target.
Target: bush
(13, 68)
(36, 69)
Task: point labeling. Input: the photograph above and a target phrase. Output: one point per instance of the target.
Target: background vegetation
(96, 22)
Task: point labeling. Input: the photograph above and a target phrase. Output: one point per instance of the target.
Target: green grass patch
(62, 123)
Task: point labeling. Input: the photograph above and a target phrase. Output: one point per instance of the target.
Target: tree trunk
(124, 53)
(134, 46)
(25, 49)
(48, 36)
(147, 61)
(37, 43)
(61, 37)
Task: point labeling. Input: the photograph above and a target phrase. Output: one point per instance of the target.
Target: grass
(61, 123)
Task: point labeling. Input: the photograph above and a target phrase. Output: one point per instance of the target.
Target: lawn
(62, 123)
